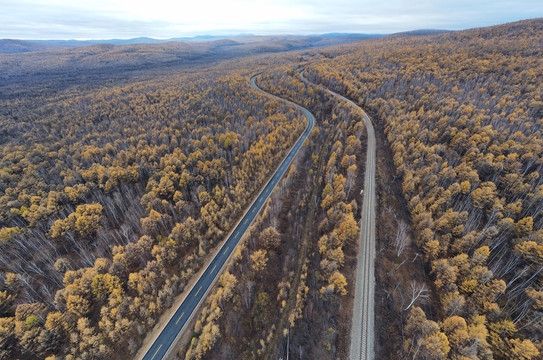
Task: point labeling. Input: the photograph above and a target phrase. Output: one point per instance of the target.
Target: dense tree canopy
(111, 197)
(463, 114)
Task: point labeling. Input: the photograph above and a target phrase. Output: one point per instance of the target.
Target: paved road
(362, 329)
(172, 329)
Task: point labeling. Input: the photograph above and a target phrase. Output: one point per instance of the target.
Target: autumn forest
(122, 173)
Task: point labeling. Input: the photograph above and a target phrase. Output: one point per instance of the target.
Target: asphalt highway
(173, 328)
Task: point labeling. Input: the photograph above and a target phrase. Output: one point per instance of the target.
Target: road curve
(170, 332)
(362, 329)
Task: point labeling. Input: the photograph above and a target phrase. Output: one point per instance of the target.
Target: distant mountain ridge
(11, 46)
(420, 32)
(104, 59)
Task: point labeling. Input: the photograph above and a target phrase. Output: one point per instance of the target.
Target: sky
(123, 19)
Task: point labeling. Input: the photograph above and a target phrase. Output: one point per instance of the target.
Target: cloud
(63, 19)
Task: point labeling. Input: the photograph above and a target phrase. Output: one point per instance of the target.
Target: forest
(460, 243)
(303, 242)
(115, 191)
(463, 114)
(104, 191)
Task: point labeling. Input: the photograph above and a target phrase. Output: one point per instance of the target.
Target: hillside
(101, 192)
(107, 63)
(123, 168)
(10, 46)
(463, 114)
(421, 32)
(459, 220)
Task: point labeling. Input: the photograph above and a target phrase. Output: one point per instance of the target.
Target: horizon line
(211, 35)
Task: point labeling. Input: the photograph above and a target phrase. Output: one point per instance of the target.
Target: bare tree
(247, 294)
(402, 237)
(418, 292)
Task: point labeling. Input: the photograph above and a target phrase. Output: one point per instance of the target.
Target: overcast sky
(105, 19)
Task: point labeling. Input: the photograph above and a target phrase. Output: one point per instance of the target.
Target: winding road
(162, 345)
(362, 329)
